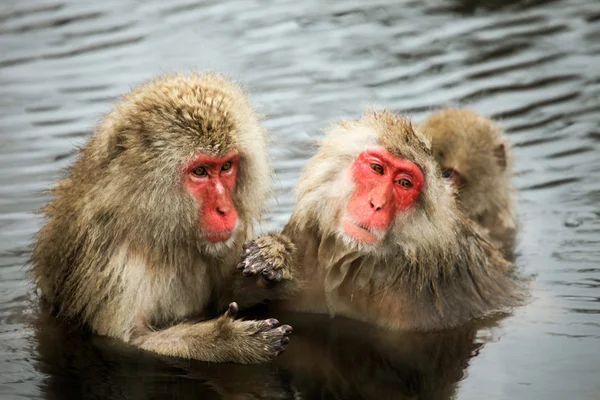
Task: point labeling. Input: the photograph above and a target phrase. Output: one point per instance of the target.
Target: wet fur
(434, 270)
(121, 251)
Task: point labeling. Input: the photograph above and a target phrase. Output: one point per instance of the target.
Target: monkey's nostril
(375, 207)
(223, 210)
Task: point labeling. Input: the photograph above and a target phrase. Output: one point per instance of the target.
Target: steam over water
(533, 65)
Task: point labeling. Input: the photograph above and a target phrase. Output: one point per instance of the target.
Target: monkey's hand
(224, 339)
(253, 341)
(269, 258)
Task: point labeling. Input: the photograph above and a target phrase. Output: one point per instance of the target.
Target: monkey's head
(182, 160)
(374, 183)
(472, 154)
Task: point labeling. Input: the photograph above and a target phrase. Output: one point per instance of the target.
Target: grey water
(533, 65)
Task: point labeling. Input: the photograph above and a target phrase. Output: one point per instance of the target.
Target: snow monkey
(475, 155)
(377, 236)
(143, 234)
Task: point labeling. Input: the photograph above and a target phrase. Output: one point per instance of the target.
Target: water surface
(533, 65)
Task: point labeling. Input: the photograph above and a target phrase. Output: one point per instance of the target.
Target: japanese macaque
(377, 236)
(474, 155)
(144, 232)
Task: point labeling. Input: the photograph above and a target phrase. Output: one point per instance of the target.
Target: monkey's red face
(385, 186)
(211, 180)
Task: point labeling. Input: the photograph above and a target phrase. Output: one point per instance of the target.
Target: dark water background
(534, 65)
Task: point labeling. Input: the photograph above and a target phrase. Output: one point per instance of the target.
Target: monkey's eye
(377, 168)
(448, 173)
(226, 166)
(199, 171)
(405, 183)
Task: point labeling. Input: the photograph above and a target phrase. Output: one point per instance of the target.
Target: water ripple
(531, 64)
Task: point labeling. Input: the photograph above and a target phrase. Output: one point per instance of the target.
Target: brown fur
(477, 148)
(121, 251)
(433, 270)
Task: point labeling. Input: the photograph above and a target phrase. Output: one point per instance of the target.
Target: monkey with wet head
(377, 236)
(143, 233)
(474, 154)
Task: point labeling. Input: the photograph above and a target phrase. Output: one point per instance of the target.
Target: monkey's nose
(376, 205)
(223, 205)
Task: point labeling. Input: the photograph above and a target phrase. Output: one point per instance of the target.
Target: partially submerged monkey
(143, 233)
(377, 236)
(474, 154)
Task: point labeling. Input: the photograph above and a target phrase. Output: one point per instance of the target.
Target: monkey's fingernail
(247, 272)
(240, 266)
(267, 273)
(285, 340)
(272, 322)
(233, 309)
(287, 329)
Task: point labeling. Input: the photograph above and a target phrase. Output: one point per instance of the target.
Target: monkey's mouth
(219, 236)
(361, 232)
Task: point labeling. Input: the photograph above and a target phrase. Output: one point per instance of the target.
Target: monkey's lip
(360, 232)
(219, 236)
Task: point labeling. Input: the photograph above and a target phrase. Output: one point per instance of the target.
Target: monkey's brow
(204, 159)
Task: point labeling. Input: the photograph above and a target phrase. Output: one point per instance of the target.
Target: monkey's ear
(500, 154)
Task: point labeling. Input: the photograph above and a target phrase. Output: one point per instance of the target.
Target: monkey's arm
(223, 339)
(268, 259)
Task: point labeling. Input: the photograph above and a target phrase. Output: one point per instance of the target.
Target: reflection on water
(533, 64)
(330, 359)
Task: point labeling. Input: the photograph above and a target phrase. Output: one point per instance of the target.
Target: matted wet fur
(434, 268)
(477, 149)
(122, 252)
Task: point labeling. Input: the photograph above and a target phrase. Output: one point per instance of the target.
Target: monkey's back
(71, 248)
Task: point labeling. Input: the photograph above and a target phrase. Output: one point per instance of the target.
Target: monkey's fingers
(283, 332)
(272, 275)
(250, 255)
(286, 329)
(249, 248)
(252, 269)
(278, 339)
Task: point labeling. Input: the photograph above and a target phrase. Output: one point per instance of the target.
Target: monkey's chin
(217, 248)
(360, 234)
